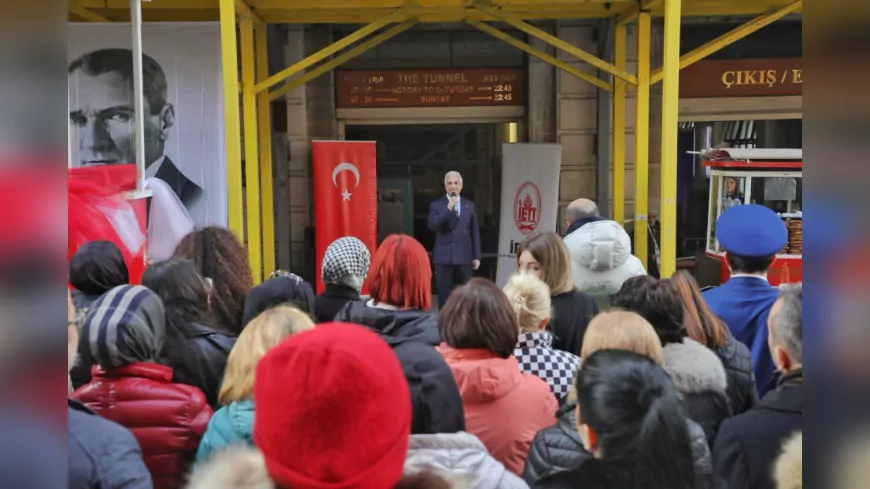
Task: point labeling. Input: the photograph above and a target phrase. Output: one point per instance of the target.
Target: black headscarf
(97, 267)
(276, 291)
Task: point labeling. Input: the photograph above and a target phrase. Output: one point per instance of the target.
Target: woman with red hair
(400, 286)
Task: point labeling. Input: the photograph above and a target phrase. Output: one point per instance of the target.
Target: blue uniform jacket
(457, 238)
(744, 303)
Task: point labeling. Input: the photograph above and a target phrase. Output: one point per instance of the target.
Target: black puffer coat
(741, 390)
(559, 449)
(413, 335)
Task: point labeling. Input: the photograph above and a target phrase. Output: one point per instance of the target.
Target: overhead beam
(342, 58)
(554, 41)
(507, 38)
(87, 15)
(244, 12)
(640, 6)
(328, 51)
(730, 37)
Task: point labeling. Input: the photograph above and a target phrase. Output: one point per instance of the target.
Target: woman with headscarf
(345, 266)
(124, 334)
(282, 288)
(96, 268)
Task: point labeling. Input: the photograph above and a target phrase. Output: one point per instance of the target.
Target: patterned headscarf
(346, 262)
(126, 325)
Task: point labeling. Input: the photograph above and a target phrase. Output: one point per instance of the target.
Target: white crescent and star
(345, 167)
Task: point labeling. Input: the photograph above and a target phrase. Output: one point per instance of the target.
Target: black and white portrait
(184, 144)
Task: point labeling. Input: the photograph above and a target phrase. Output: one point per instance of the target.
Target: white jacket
(601, 259)
(460, 454)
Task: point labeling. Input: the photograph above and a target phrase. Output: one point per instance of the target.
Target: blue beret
(752, 231)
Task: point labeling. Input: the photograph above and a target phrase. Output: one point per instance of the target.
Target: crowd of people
(582, 372)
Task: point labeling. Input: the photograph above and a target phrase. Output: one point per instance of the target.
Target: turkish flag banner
(345, 195)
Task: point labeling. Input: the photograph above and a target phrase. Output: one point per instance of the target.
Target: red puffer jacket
(167, 419)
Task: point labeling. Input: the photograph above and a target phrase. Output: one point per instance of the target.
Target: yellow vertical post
(232, 132)
(618, 192)
(252, 160)
(264, 128)
(641, 139)
(670, 114)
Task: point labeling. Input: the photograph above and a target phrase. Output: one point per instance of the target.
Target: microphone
(456, 208)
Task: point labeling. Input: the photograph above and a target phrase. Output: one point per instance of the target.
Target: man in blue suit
(457, 237)
(751, 235)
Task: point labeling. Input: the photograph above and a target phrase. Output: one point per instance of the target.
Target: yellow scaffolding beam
(244, 12)
(670, 119)
(232, 131)
(731, 37)
(252, 159)
(554, 41)
(619, 60)
(492, 31)
(86, 14)
(341, 59)
(641, 138)
(639, 6)
(328, 51)
(264, 129)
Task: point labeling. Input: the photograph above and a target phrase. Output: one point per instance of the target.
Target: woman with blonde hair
(530, 298)
(560, 448)
(233, 423)
(545, 256)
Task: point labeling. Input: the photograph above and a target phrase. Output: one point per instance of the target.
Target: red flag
(345, 195)
(99, 210)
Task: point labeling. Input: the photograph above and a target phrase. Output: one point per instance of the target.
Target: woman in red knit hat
(504, 407)
(332, 410)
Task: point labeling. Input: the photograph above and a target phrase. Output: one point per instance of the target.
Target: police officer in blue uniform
(751, 235)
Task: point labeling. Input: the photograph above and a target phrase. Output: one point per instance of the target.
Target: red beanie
(332, 409)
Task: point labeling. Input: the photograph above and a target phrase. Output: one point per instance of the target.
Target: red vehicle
(769, 177)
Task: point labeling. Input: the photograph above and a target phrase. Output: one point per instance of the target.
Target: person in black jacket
(704, 327)
(282, 288)
(696, 371)
(630, 423)
(747, 445)
(401, 296)
(345, 267)
(545, 255)
(196, 352)
(559, 448)
(96, 268)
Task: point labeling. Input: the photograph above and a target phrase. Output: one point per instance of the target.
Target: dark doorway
(413, 158)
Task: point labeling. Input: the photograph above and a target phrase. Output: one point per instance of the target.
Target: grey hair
(786, 325)
(581, 209)
(451, 174)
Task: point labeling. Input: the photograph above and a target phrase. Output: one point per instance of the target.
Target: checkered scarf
(346, 262)
(535, 354)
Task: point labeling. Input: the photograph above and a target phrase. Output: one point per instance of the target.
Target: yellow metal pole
(328, 51)
(554, 41)
(264, 128)
(619, 60)
(252, 160)
(342, 58)
(731, 37)
(492, 31)
(670, 114)
(232, 132)
(641, 141)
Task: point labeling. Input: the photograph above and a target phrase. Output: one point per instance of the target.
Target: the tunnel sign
(430, 88)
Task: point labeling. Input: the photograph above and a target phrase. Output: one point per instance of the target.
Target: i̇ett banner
(345, 195)
(529, 198)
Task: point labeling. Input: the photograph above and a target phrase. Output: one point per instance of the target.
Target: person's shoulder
(94, 435)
